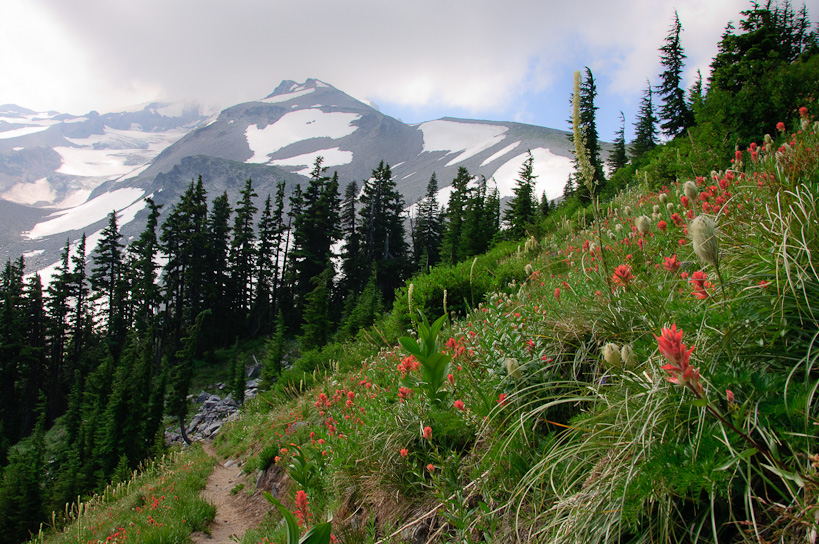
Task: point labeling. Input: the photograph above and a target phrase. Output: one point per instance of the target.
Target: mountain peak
(288, 86)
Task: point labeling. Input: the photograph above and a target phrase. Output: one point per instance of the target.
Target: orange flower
(622, 276)
(428, 432)
(678, 354)
(671, 263)
(459, 404)
(404, 452)
(700, 283)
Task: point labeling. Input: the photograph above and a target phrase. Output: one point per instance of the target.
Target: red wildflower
(671, 263)
(700, 283)
(557, 293)
(459, 404)
(803, 112)
(404, 392)
(780, 126)
(684, 201)
(428, 432)
(302, 512)
(430, 467)
(662, 225)
(729, 395)
(502, 399)
(404, 452)
(622, 276)
(451, 379)
(678, 354)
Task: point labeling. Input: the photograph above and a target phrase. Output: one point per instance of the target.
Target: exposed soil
(235, 513)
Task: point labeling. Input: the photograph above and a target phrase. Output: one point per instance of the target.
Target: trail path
(236, 513)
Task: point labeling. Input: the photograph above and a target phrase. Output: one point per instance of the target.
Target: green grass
(160, 504)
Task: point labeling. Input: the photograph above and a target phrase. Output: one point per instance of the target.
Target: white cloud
(477, 56)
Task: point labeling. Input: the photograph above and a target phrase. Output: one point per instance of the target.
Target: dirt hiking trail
(235, 513)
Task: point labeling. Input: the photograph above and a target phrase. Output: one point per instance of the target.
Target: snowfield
(551, 170)
(500, 154)
(127, 200)
(332, 157)
(453, 136)
(295, 126)
(24, 131)
(31, 193)
(286, 97)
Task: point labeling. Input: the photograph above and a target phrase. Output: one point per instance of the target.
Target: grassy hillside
(650, 378)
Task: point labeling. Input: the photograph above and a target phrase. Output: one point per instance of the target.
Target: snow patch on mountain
(332, 157)
(454, 136)
(551, 170)
(286, 97)
(297, 125)
(90, 212)
(500, 153)
(24, 131)
(31, 193)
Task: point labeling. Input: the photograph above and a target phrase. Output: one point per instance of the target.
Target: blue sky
(417, 60)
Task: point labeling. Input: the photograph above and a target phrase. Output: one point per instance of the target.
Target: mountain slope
(275, 138)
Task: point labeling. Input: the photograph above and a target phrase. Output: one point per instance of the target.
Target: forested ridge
(93, 364)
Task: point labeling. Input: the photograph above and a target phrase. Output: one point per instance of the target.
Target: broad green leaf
(410, 345)
(318, 534)
(289, 518)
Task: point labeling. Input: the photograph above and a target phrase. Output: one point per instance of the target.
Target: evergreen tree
(184, 241)
(106, 277)
(522, 209)
(33, 353)
(382, 230)
(316, 229)
(675, 115)
(265, 269)
(451, 250)
(12, 342)
(645, 137)
(545, 207)
(21, 500)
(78, 288)
(145, 293)
(58, 309)
(480, 220)
(243, 252)
(316, 326)
(351, 258)
(272, 366)
(619, 157)
(278, 216)
(368, 307)
(220, 287)
(428, 229)
(182, 374)
(588, 127)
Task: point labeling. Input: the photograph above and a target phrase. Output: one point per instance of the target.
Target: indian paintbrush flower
(678, 356)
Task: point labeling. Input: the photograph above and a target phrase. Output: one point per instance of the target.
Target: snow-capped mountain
(91, 165)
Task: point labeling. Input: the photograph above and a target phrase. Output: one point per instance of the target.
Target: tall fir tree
(106, 277)
(618, 157)
(428, 229)
(382, 230)
(645, 127)
(675, 115)
(219, 289)
(522, 210)
(243, 253)
(451, 250)
(352, 267)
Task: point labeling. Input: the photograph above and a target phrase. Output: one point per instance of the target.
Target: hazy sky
(416, 59)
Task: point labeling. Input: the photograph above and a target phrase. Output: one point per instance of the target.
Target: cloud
(472, 55)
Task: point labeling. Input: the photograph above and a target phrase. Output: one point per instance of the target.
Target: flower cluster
(678, 354)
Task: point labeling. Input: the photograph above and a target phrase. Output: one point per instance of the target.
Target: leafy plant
(302, 470)
(434, 364)
(318, 534)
